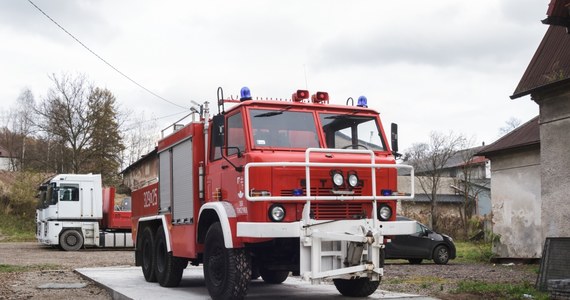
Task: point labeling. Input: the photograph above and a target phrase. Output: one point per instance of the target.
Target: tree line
(77, 127)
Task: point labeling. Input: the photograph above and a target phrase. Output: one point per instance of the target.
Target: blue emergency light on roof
(362, 102)
(244, 94)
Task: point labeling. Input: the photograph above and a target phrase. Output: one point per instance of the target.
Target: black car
(423, 244)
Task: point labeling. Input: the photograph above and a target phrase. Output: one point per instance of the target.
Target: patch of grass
(423, 281)
(17, 229)
(16, 268)
(499, 290)
(469, 252)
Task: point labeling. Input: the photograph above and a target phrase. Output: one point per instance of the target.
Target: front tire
(147, 249)
(227, 272)
(71, 240)
(168, 268)
(361, 287)
(441, 255)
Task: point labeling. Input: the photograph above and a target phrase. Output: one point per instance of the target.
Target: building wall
(516, 204)
(555, 161)
(484, 202)
(411, 208)
(142, 174)
(4, 163)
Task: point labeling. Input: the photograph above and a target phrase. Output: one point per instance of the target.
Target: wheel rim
(443, 256)
(71, 240)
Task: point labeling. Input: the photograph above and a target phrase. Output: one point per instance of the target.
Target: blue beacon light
(244, 94)
(362, 102)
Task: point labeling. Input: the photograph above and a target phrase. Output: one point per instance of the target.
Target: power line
(103, 60)
(134, 124)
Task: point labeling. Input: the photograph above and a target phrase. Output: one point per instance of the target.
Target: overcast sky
(426, 65)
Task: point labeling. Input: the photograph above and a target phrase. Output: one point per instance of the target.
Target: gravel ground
(51, 265)
(440, 280)
(48, 265)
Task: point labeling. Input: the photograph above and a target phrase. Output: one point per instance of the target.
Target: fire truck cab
(270, 188)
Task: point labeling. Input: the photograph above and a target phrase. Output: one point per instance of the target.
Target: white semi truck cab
(74, 211)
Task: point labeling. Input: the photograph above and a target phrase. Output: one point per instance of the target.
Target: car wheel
(415, 261)
(441, 255)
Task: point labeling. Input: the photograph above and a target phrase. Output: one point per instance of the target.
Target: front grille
(321, 191)
(333, 210)
(337, 211)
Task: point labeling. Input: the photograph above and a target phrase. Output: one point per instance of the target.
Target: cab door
(226, 160)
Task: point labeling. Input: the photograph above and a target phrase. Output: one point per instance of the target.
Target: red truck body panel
(112, 219)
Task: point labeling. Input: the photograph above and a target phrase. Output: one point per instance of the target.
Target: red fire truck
(271, 188)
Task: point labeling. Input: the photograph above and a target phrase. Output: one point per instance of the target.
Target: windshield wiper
(268, 114)
(272, 113)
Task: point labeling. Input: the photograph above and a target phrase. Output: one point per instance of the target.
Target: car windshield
(283, 128)
(344, 131)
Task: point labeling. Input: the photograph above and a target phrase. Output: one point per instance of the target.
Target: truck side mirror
(218, 124)
(394, 143)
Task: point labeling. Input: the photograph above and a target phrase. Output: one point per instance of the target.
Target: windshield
(350, 131)
(283, 129)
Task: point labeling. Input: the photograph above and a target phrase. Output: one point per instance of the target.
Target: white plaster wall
(555, 161)
(4, 163)
(516, 204)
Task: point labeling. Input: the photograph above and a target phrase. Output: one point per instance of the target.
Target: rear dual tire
(147, 252)
(168, 268)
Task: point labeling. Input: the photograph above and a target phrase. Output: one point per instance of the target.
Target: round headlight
(352, 180)
(384, 213)
(338, 179)
(276, 213)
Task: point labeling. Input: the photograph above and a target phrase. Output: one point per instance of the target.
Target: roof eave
(541, 88)
(521, 147)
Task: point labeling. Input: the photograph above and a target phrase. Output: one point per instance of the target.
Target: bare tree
(24, 120)
(65, 113)
(81, 120)
(470, 183)
(16, 128)
(140, 138)
(510, 124)
(429, 160)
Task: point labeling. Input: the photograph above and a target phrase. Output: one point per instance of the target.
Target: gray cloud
(470, 48)
(80, 18)
(456, 38)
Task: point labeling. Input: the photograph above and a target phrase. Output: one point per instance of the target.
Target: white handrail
(307, 165)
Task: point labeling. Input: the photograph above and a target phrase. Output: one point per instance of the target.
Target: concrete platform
(129, 283)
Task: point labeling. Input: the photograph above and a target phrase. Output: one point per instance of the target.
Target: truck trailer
(74, 211)
(271, 188)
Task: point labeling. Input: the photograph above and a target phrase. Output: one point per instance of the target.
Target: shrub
(20, 197)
